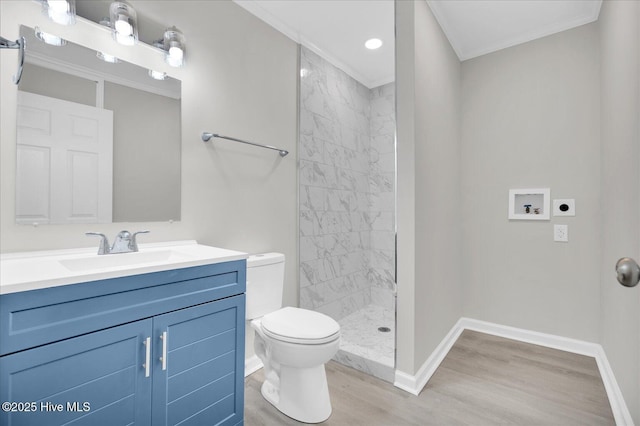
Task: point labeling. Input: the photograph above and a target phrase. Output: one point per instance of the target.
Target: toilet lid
(295, 324)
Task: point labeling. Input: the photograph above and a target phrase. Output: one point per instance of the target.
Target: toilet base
(303, 394)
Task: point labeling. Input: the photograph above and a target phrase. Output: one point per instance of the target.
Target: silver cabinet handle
(163, 358)
(628, 272)
(147, 358)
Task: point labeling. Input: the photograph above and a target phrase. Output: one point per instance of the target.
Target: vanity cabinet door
(202, 380)
(95, 379)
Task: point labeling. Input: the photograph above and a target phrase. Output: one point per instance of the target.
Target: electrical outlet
(561, 233)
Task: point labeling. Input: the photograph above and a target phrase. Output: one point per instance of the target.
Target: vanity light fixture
(373, 43)
(102, 55)
(60, 11)
(158, 75)
(174, 46)
(50, 39)
(123, 23)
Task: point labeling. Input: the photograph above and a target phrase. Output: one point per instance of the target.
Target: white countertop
(43, 269)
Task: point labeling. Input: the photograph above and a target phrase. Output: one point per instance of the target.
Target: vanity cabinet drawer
(33, 318)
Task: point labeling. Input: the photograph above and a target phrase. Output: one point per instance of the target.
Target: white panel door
(65, 161)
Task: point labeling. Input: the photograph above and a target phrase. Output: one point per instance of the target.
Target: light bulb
(176, 53)
(123, 27)
(173, 47)
(175, 56)
(126, 40)
(122, 18)
(373, 43)
(58, 6)
(61, 11)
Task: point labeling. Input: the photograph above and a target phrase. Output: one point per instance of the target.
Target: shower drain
(384, 329)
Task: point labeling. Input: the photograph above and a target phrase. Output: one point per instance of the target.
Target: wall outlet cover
(561, 233)
(564, 207)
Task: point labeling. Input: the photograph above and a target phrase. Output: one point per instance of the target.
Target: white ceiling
(337, 29)
(476, 28)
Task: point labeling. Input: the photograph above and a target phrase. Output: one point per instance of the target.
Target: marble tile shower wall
(346, 199)
(382, 166)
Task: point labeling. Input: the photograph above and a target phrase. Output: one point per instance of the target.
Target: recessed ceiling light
(373, 43)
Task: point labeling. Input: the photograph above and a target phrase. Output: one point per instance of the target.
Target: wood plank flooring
(484, 380)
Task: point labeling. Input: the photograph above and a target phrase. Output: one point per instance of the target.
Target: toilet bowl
(292, 343)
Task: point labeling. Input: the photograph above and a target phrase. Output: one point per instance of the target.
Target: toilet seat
(302, 326)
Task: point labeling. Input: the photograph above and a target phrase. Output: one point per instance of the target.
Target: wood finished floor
(484, 380)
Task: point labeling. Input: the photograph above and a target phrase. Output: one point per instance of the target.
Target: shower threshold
(366, 348)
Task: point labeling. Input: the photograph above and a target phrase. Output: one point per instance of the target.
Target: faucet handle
(103, 248)
(122, 243)
(134, 242)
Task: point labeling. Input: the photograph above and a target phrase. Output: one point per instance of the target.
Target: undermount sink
(121, 259)
(36, 270)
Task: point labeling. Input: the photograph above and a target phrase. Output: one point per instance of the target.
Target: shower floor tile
(363, 346)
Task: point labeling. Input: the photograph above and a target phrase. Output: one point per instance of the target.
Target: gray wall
(240, 80)
(559, 112)
(59, 85)
(531, 120)
(146, 155)
(428, 150)
(620, 74)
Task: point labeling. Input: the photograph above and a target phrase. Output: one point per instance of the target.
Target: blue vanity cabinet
(199, 383)
(163, 348)
(52, 384)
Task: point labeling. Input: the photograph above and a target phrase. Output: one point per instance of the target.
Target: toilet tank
(265, 283)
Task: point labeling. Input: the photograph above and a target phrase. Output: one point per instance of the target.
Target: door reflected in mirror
(97, 141)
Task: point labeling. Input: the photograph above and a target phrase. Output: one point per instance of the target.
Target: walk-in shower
(347, 210)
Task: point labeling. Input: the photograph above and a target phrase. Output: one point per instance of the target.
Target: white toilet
(292, 343)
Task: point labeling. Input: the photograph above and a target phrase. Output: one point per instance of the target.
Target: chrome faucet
(125, 242)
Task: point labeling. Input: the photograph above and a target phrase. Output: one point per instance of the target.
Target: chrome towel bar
(206, 137)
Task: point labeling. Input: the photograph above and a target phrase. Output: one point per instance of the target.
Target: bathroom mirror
(97, 142)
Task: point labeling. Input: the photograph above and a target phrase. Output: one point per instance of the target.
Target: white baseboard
(251, 365)
(548, 340)
(415, 383)
(620, 410)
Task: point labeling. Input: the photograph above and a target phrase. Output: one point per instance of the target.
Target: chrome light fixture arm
(19, 44)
